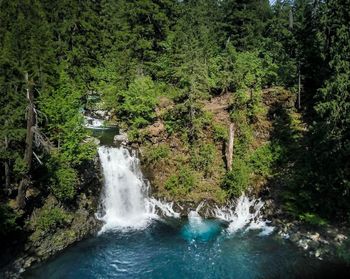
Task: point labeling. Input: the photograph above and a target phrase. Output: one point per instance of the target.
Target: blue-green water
(174, 250)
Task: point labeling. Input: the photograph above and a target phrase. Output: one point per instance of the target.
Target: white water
(94, 123)
(245, 216)
(194, 219)
(125, 202)
(161, 207)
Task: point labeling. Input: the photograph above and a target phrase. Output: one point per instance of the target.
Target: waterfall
(94, 123)
(246, 215)
(125, 202)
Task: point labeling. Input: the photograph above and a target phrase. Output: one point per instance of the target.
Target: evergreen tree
(331, 133)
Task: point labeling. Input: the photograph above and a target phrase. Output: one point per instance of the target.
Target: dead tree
(229, 149)
(28, 153)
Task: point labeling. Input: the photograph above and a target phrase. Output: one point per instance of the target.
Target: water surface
(172, 250)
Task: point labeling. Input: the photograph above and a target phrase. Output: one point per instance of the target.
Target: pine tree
(332, 130)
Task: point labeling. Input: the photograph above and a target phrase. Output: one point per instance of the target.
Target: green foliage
(312, 219)
(65, 123)
(263, 158)
(182, 182)
(136, 105)
(202, 158)
(153, 154)
(248, 72)
(116, 50)
(8, 220)
(64, 183)
(50, 218)
(220, 132)
(237, 180)
(20, 167)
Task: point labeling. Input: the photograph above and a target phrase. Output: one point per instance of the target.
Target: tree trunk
(229, 150)
(28, 153)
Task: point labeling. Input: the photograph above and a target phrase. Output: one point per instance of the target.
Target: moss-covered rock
(53, 225)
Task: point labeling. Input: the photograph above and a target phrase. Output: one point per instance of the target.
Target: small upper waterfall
(125, 201)
(94, 123)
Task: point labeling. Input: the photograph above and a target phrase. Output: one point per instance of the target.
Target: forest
(58, 57)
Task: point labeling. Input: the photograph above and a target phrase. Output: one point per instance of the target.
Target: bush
(8, 220)
(312, 219)
(20, 166)
(263, 158)
(153, 154)
(203, 157)
(178, 119)
(237, 180)
(220, 132)
(64, 125)
(73, 146)
(51, 218)
(182, 182)
(64, 183)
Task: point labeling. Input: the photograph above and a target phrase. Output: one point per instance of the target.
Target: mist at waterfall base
(143, 237)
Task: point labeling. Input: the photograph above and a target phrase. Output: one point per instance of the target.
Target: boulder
(122, 137)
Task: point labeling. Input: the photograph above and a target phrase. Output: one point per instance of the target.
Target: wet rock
(122, 137)
(93, 140)
(314, 237)
(340, 238)
(303, 243)
(101, 113)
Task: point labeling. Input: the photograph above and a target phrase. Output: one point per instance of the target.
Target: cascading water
(94, 123)
(125, 202)
(245, 216)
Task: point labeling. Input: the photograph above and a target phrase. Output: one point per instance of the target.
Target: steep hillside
(192, 171)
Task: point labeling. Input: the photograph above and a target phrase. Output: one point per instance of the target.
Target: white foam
(125, 204)
(94, 123)
(244, 215)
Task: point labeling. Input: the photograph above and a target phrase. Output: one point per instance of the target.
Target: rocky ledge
(53, 226)
(320, 241)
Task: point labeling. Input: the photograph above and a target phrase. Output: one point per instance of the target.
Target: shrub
(263, 158)
(154, 154)
(237, 180)
(203, 157)
(51, 218)
(20, 166)
(344, 251)
(8, 220)
(64, 183)
(220, 132)
(312, 219)
(182, 182)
